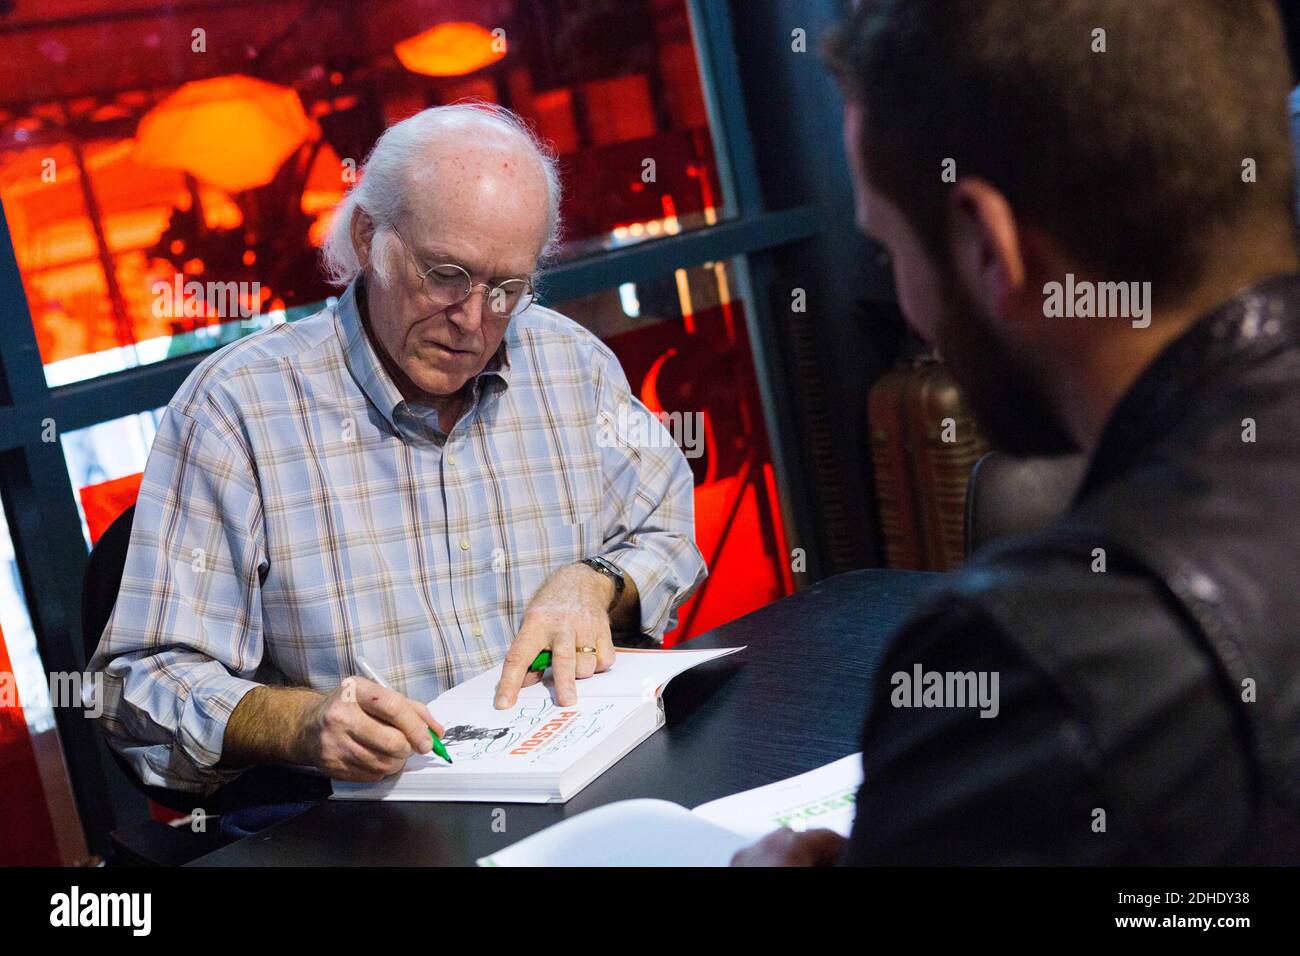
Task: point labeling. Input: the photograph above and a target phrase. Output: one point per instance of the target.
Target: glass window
(167, 176)
(105, 462)
(683, 343)
(39, 824)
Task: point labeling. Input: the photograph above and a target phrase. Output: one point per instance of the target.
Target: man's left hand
(569, 616)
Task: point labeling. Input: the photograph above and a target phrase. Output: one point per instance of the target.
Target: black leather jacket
(1150, 712)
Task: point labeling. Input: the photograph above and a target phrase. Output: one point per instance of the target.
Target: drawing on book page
(533, 732)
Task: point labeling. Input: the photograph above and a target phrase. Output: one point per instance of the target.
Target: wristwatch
(611, 571)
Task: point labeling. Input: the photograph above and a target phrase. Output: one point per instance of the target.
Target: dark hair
(1128, 158)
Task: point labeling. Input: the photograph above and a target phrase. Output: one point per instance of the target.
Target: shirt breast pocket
(581, 538)
(581, 516)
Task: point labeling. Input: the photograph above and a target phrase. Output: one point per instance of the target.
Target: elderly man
(427, 476)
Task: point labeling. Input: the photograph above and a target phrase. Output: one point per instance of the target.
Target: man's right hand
(364, 732)
(785, 847)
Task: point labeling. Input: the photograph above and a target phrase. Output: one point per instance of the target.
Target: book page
(825, 797)
(533, 737)
(640, 674)
(628, 833)
(658, 833)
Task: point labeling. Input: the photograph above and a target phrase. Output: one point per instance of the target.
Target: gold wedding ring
(586, 650)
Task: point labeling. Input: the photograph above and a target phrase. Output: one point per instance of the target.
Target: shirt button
(451, 459)
(478, 631)
(464, 544)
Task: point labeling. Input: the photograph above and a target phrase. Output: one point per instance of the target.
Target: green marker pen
(438, 746)
(540, 662)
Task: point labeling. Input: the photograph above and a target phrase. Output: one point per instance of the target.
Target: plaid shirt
(296, 513)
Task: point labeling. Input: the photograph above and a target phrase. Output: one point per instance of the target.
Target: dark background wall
(849, 333)
(852, 330)
(1291, 20)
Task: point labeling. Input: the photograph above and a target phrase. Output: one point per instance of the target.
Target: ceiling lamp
(233, 132)
(450, 49)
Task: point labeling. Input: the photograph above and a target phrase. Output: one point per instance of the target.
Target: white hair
(386, 178)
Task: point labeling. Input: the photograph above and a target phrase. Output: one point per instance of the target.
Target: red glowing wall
(26, 834)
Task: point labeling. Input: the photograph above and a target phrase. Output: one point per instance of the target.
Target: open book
(659, 833)
(536, 751)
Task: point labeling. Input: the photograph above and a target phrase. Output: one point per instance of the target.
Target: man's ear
(987, 247)
(362, 231)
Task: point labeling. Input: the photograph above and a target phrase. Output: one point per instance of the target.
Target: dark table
(793, 701)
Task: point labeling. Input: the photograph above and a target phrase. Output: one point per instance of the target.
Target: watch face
(604, 567)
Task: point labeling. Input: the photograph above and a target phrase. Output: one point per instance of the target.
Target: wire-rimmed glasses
(447, 284)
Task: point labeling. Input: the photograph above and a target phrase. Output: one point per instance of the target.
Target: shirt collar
(1258, 320)
(499, 365)
(361, 358)
(364, 363)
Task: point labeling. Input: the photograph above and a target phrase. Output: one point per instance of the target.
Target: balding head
(452, 191)
(435, 152)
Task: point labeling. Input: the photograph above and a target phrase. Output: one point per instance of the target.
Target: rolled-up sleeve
(650, 502)
(185, 637)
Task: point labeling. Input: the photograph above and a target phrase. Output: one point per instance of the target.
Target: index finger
(427, 717)
(388, 706)
(527, 643)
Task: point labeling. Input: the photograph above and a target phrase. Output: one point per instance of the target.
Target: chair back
(1008, 495)
(98, 595)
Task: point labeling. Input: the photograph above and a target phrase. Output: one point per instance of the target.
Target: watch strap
(611, 571)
